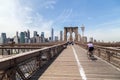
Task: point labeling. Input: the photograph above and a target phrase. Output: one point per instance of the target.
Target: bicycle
(90, 55)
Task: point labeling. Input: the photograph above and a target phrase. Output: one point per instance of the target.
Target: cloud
(63, 17)
(8, 20)
(16, 16)
(89, 18)
(50, 4)
(40, 4)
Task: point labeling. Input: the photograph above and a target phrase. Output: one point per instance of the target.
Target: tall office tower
(3, 38)
(26, 40)
(22, 37)
(34, 33)
(49, 38)
(56, 38)
(25, 33)
(91, 39)
(42, 37)
(17, 33)
(28, 34)
(38, 39)
(33, 40)
(16, 38)
(42, 34)
(52, 34)
(61, 36)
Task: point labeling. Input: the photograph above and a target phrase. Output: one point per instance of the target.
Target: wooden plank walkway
(73, 64)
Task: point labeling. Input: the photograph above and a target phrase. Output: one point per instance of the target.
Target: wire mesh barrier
(23, 66)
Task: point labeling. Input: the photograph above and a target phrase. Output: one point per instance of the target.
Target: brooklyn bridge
(59, 60)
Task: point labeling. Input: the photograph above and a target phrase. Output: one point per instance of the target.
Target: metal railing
(111, 55)
(23, 66)
(14, 48)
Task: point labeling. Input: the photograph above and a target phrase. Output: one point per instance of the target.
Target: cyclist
(90, 47)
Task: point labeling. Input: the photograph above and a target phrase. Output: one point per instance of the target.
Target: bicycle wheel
(88, 55)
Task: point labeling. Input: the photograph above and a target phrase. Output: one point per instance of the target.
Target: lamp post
(83, 29)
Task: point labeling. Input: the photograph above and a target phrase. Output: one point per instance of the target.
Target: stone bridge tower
(71, 30)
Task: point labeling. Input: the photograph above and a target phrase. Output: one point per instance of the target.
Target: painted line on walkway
(81, 70)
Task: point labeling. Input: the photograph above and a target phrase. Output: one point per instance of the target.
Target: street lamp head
(82, 27)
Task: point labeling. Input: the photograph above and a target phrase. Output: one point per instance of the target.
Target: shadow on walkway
(42, 69)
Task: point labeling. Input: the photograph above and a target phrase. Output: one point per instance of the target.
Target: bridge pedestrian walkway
(73, 64)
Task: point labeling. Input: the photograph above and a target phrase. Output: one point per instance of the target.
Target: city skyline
(25, 37)
(100, 18)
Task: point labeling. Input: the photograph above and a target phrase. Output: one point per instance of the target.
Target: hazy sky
(101, 18)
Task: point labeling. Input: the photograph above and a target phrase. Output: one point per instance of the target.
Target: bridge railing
(111, 55)
(23, 66)
(14, 48)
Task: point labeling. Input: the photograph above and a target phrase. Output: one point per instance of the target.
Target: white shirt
(90, 45)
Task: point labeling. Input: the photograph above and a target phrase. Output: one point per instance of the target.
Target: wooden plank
(97, 70)
(63, 68)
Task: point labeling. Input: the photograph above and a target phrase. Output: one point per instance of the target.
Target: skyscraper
(22, 37)
(28, 34)
(49, 38)
(42, 37)
(56, 38)
(91, 39)
(42, 34)
(3, 38)
(38, 40)
(52, 34)
(16, 38)
(25, 33)
(61, 35)
(35, 33)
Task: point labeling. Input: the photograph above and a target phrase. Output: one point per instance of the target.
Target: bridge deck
(73, 64)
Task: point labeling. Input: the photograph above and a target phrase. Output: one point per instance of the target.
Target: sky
(101, 18)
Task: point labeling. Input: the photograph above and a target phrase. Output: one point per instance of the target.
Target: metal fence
(23, 66)
(111, 55)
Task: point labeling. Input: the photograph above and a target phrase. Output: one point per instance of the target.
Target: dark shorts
(91, 48)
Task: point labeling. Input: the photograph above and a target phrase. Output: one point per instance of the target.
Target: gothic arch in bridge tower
(71, 30)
